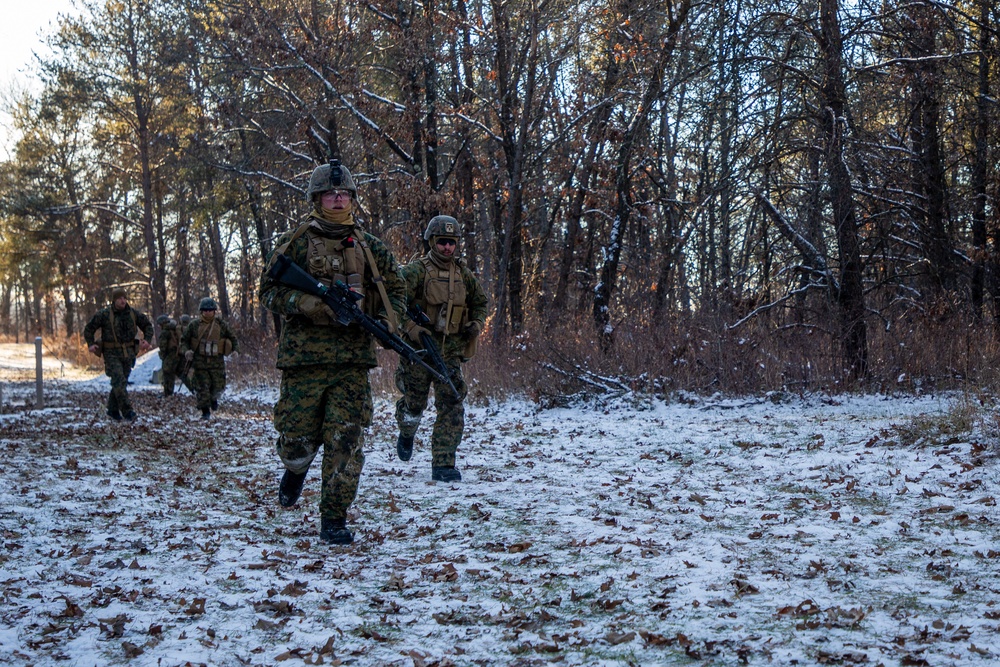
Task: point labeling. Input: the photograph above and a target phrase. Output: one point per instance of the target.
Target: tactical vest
(330, 260)
(350, 268)
(210, 342)
(114, 344)
(444, 297)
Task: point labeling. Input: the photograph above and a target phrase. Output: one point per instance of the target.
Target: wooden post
(39, 403)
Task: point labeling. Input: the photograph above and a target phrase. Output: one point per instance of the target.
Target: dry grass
(554, 362)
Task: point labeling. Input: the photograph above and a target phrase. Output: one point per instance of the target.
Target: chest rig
(329, 260)
(444, 297)
(208, 338)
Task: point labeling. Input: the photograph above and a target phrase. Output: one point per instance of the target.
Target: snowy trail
(722, 533)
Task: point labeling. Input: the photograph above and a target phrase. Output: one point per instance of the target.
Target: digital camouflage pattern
(326, 407)
(303, 343)
(119, 330)
(325, 398)
(168, 346)
(209, 378)
(415, 382)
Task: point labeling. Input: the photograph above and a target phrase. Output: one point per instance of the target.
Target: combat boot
(404, 447)
(215, 405)
(206, 413)
(445, 474)
(114, 414)
(334, 531)
(290, 488)
(129, 416)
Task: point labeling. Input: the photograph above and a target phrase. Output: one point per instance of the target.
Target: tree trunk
(850, 296)
(980, 161)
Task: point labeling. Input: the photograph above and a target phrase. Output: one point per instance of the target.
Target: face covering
(335, 216)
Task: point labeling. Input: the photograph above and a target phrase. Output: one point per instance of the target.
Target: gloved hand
(189, 355)
(473, 329)
(414, 332)
(317, 311)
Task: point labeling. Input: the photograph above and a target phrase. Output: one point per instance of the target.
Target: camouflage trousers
(168, 368)
(118, 367)
(415, 383)
(328, 406)
(186, 376)
(209, 383)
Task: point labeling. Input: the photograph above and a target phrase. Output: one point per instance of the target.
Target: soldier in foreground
(204, 345)
(325, 398)
(450, 311)
(119, 325)
(168, 348)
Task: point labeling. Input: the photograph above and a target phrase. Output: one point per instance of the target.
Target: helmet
(162, 319)
(185, 319)
(208, 303)
(442, 225)
(118, 292)
(324, 177)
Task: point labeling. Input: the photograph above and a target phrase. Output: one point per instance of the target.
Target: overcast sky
(21, 30)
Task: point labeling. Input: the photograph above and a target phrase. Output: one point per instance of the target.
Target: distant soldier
(120, 325)
(168, 345)
(454, 302)
(205, 344)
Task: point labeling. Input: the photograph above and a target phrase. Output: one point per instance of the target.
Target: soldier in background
(455, 304)
(119, 325)
(326, 398)
(168, 348)
(204, 345)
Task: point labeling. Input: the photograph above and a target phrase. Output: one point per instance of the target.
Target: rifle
(417, 314)
(343, 302)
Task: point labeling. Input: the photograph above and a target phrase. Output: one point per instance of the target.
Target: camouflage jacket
(415, 275)
(190, 341)
(303, 343)
(168, 342)
(119, 329)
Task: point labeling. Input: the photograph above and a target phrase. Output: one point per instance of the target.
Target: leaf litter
(722, 532)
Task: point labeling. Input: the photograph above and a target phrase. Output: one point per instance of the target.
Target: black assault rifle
(419, 317)
(343, 302)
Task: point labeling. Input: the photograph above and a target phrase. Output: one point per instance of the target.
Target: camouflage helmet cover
(324, 179)
(442, 225)
(208, 303)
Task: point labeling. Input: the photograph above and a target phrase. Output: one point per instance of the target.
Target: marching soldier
(119, 325)
(325, 399)
(168, 348)
(204, 345)
(454, 304)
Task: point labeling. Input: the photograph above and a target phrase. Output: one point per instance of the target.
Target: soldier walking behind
(455, 305)
(325, 398)
(204, 345)
(168, 348)
(119, 325)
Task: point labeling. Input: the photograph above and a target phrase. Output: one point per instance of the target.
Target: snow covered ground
(816, 530)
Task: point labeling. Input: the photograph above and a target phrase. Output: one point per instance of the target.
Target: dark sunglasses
(445, 241)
